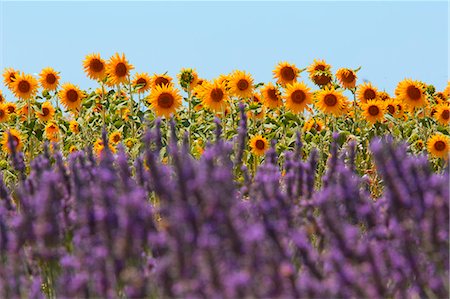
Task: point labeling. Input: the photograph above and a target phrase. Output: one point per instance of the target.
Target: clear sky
(390, 40)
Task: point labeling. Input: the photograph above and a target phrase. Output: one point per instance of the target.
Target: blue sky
(390, 40)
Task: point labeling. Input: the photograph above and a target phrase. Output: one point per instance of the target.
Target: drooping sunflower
(71, 96)
(411, 93)
(115, 137)
(94, 66)
(259, 145)
(241, 84)
(160, 80)
(11, 107)
(297, 96)
(320, 72)
(46, 113)
(346, 77)
(141, 82)
(49, 78)
(373, 111)
(4, 114)
(214, 95)
(9, 75)
(52, 132)
(438, 146)
(366, 92)
(331, 101)
(187, 78)
(118, 69)
(165, 100)
(24, 86)
(16, 138)
(442, 114)
(74, 126)
(285, 73)
(271, 96)
(315, 124)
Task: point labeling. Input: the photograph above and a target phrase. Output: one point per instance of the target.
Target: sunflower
(24, 111)
(74, 126)
(17, 139)
(118, 69)
(440, 97)
(259, 145)
(392, 107)
(71, 96)
(320, 72)
(331, 101)
(446, 90)
(315, 124)
(285, 73)
(51, 131)
(115, 137)
(442, 114)
(141, 82)
(438, 146)
(9, 75)
(346, 77)
(366, 92)
(384, 96)
(165, 100)
(214, 95)
(94, 66)
(4, 114)
(271, 96)
(187, 78)
(49, 78)
(256, 98)
(412, 93)
(257, 114)
(241, 84)
(99, 147)
(24, 86)
(46, 113)
(297, 96)
(73, 149)
(11, 107)
(373, 111)
(419, 144)
(160, 80)
(2, 98)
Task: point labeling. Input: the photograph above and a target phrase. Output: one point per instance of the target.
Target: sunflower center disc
(116, 138)
(51, 79)
(370, 94)
(45, 111)
(330, 100)
(165, 100)
(141, 81)
(391, 109)
(445, 114)
(24, 86)
(298, 96)
(374, 110)
(72, 95)
(439, 145)
(242, 84)
(322, 79)
(96, 65)
(260, 144)
(272, 93)
(287, 73)
(2, 113)
(12, 77)
(348, 77)
(121, 69)
(10, 109)
(160, 81)
(413, 93)
(217, 94)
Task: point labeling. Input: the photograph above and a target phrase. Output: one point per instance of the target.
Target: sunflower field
(150, 186)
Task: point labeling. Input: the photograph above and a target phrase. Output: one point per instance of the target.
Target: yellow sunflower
(4, 114)
(74, 126)
(224, 78)
(52, 132)
(259, 145)
(11, 107)
(285, 73)
(160, 80)
(94, 66)
(24, 111)
(315, 124)
(297, 96)
(73, 149)
(442, 114)
(446, 91)
(373, 111)
(346, 77)
(49, 78)
(187, 78)
(9, 75)
(99, 147)
(165, 100)
(412, 93)
(214, 95)
(256, 98)
(141, 82)
(384, 96)
(241, 84)
(115, 137)
(271, 96)
(24, 86)
(392, 107)
(440, 97)
(118, 69)
(320, 72)
(71, 96)
(331, 101)
(46, 113)
(438, 146)
(2, 98)
(366, 92)
(15, 135)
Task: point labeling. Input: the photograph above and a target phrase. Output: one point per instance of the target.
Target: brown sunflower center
(12, 77)
(348, 77)
(287, 73)
(160, 81)
(2, 113)
(96, 65)
(330, 100)
(72, 95)
(272, 93)
(121, 69)
(10, 109)
(413, 93)
(116, 138)
(445, 114)
(45, 111)
(142, 82)
(242, 84)
(256, 99)
(298, 96)
(391, 109)
(369, 94)
(24, 86)
(165, 100)
(317, 126)
(217, 94)
(50, 78)
(374, 110)
(439, 145)
(260, 144)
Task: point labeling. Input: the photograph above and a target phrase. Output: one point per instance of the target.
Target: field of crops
(314, 185)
